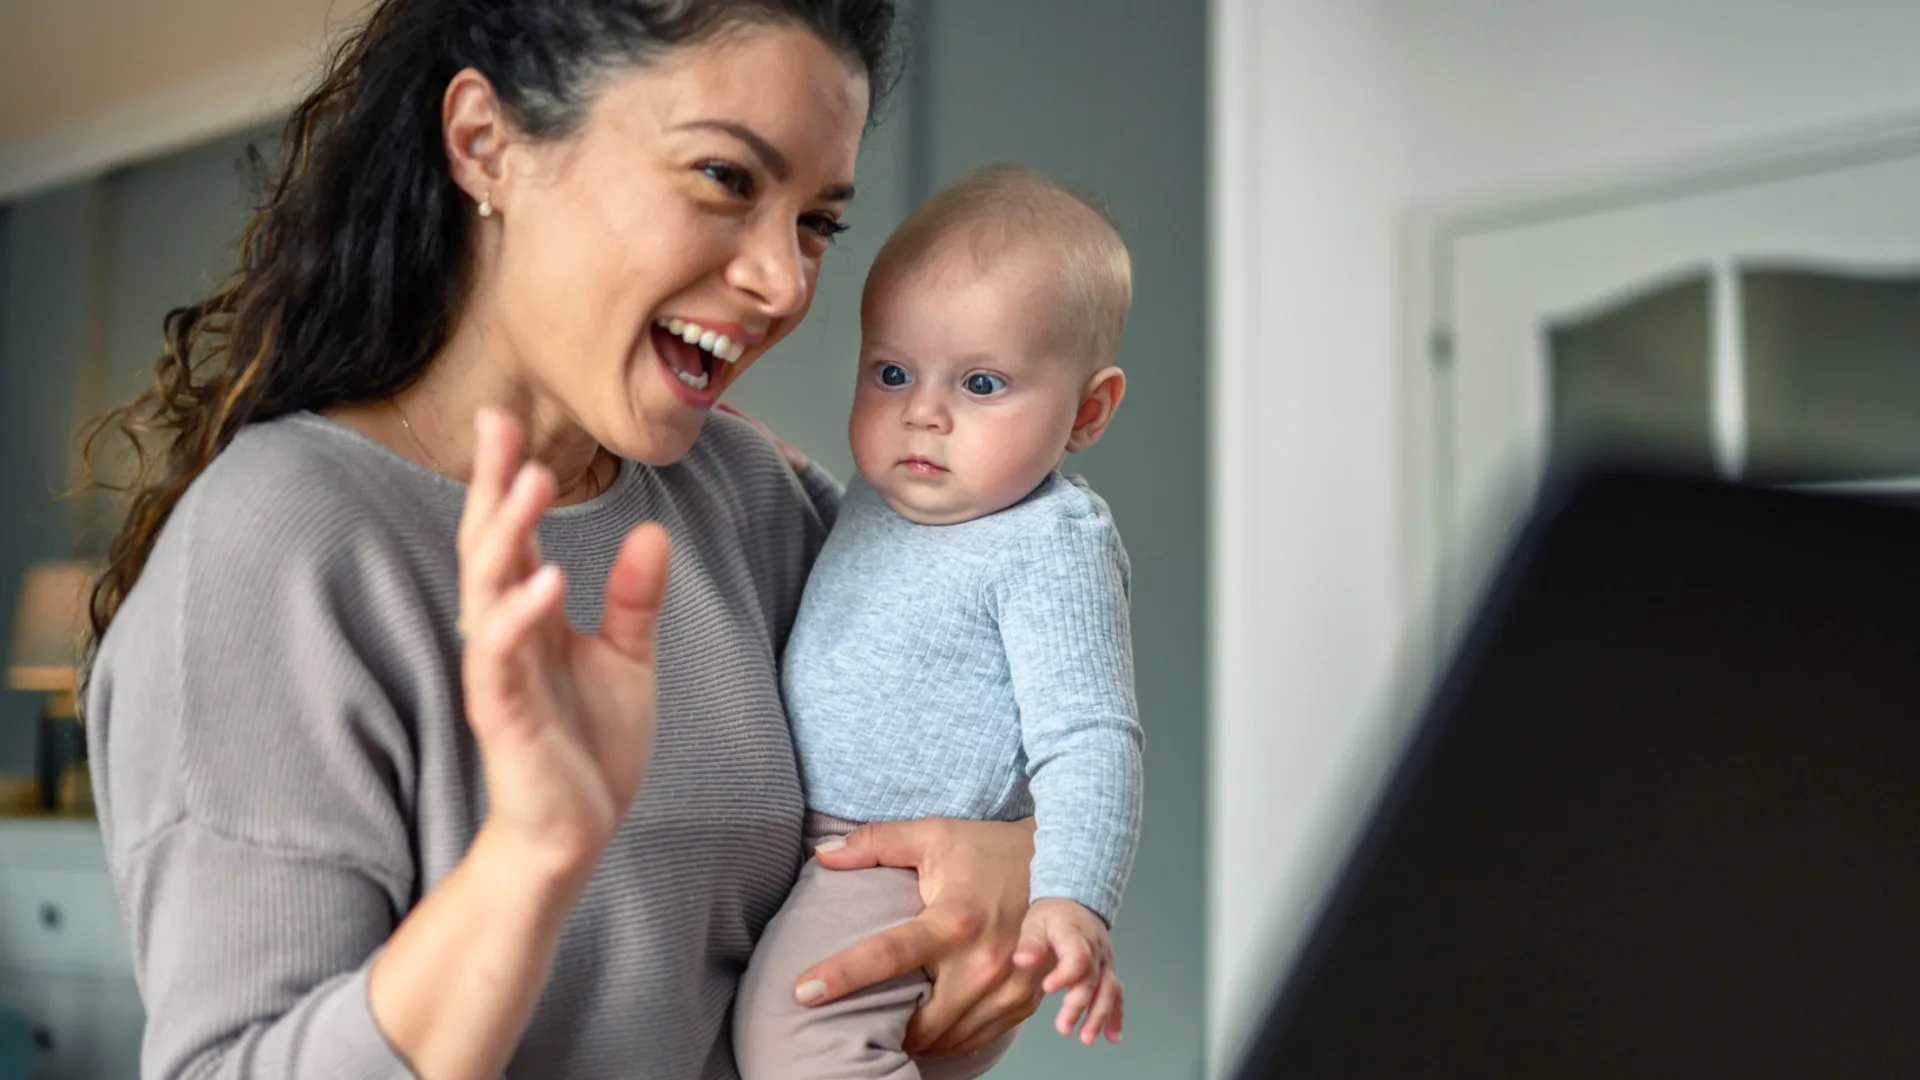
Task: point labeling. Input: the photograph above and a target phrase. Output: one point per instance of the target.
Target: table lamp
(48, 634)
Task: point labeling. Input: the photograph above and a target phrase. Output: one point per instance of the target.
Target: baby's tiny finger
(1033, 947)
(1105, 1014)
(1072, 1008)
(1119, 1012)
(1076, 962)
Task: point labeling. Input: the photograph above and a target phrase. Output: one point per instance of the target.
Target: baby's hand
(1077, 938)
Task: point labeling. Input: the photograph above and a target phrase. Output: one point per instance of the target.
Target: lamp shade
(49, 627)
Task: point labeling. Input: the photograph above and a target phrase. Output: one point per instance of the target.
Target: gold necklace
(591, 478)
(415, 436)
(594, 484)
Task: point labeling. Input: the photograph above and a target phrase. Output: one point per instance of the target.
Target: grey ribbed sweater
(283, 766)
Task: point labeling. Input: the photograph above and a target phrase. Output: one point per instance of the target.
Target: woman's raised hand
(565, 721)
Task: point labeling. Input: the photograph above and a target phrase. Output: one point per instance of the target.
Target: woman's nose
(773, 271)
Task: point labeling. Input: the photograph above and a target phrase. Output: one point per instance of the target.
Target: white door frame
(1429, 236)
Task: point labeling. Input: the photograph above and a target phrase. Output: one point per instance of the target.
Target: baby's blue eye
(982, 384)
(893, 375)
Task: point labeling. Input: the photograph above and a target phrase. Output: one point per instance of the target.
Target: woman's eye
(737, 181)
(893, 375)
(981, 384)
(824, 227)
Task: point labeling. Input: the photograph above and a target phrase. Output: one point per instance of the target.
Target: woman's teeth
(719, 345)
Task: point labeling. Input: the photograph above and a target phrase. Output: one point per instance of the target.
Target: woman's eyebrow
(769, 154)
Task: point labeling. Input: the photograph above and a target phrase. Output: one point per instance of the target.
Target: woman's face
(695, 204)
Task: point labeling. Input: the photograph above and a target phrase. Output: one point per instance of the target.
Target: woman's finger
(889, 954)
(491, 670)
(496, 456)
(496, 462)
(902, 844)
(1107, 1012)
(964, 982)
(991, 1017)
(636, 588)
(954, 997)
(506, 552)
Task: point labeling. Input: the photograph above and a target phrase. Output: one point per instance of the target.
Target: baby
(963, 649)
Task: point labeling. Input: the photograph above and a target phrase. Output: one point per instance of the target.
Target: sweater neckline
(627, 474)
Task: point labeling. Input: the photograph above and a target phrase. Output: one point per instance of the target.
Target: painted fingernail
(810, 991)
(831, 843)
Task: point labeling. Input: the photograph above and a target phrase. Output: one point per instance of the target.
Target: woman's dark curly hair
(355, 263)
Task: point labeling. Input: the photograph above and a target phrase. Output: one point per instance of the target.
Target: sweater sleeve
(251, 776)
(824, 491)
(1064, 623)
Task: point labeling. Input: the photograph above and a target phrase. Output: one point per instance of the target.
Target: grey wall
(86, 274)
(46, 263)
(1111, 96)
(15, 712)
(176, 226)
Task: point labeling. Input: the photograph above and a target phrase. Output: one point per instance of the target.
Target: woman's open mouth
(697, 357)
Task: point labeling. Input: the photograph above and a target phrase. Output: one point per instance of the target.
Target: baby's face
(967, 389)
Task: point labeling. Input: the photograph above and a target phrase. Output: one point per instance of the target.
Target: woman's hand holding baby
(1067, 935)
(973, 883)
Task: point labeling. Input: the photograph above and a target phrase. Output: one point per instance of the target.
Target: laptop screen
(1661, 819)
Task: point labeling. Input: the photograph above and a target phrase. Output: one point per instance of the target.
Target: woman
(373, 806)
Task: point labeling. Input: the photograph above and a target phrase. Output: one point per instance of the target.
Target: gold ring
(460, 626)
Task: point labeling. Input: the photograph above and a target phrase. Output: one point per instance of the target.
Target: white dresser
(64, 960)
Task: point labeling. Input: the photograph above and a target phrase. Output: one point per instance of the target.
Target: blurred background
(1395, 263)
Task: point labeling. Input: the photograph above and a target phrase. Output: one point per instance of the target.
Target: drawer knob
(50, 916)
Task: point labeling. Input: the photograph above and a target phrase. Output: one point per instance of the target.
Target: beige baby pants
(857, 1037)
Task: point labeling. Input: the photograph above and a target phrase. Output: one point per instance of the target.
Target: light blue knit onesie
(982, 670)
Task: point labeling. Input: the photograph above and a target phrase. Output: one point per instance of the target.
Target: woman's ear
(1105, 390)
(475, 129)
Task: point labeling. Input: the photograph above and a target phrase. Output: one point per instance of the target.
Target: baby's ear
(1106, 388)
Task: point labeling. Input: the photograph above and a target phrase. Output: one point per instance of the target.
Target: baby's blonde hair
(1003, 209)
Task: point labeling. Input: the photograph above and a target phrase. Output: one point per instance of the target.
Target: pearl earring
(486, 205)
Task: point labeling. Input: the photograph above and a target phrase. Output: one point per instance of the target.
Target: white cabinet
(91, 1025)
(64, 959)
